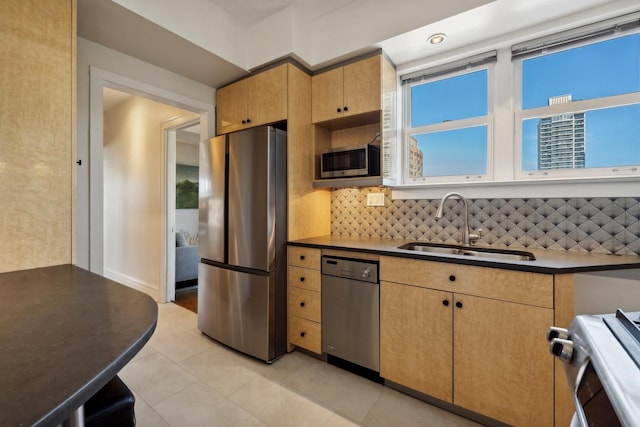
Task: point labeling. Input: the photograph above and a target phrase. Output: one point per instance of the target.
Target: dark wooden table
(64, 333)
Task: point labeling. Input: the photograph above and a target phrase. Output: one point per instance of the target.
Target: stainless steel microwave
(363, 160)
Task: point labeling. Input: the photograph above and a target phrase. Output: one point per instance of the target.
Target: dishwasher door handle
(347, 273)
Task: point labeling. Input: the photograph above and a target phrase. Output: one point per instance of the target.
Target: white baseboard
(149, 289)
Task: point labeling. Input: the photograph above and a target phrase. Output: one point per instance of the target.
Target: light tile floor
(182, 378)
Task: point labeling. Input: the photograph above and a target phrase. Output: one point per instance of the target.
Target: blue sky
(606, 68)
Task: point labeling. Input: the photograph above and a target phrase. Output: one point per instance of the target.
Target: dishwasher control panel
(362, 270)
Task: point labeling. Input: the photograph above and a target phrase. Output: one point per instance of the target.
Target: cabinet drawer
(507, 285)
(304, 257)
(305, 278)
(305, 333)
(304, 303)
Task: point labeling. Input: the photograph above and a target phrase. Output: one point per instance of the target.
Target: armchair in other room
(186, 259)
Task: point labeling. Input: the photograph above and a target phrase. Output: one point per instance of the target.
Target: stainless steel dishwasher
(351, 310)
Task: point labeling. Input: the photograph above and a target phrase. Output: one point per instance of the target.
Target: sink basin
(468, 251)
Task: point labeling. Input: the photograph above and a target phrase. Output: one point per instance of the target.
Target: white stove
(602, 356)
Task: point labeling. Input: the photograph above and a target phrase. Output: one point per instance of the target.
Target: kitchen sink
(468, 251)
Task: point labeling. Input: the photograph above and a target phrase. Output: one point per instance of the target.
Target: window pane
(452, 152)
(449, 99)
(602, 69)
(595, 139)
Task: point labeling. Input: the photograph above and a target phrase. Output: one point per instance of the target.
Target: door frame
(169, 131)
(100, 78)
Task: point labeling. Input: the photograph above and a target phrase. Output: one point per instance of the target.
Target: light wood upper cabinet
(267, 96)
(350, 90)
(231, 105)
(471, 336)
(327, 95)
(254, 101)
(363, 86)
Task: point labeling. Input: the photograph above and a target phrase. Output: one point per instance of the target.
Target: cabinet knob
(301, 303)
(248, 120)
(302, 279)
(339, 110)
(459, 304)
(445, 302)
(452, 278)
(302, 257)
(346, 108)
(244, 122)
(302, 334)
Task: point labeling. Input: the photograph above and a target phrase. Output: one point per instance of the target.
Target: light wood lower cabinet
(303, 295)
(485, 354)
(416, 339)
(502, 366)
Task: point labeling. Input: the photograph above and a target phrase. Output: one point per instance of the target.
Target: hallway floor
(182, 378)
(187, 298)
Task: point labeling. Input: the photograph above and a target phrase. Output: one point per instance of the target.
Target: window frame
(506, 157)
(408, 131)
(580, 106)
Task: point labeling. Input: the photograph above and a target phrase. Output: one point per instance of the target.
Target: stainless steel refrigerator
(243, 231)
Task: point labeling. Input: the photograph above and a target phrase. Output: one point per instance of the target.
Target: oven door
(593, 407)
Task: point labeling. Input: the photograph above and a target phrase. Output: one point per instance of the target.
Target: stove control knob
(555, 332)
(562, 349)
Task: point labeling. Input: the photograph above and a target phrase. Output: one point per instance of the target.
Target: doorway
(139, 192)
(183, 160)
(154, 215)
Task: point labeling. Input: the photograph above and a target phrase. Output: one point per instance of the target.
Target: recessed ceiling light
(437, 38)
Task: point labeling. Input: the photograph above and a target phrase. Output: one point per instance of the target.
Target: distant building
(561, 139)
(416, 159)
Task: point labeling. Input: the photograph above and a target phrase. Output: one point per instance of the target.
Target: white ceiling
(250, 12)
(217, 41)
(111, 25)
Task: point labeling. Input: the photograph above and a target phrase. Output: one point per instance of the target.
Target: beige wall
(37, 65)
(133, 192)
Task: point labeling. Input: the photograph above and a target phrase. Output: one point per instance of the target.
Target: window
(579, 109)
(448, 122)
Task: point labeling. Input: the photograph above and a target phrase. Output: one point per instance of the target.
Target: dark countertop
(64, 333)
(548, 261)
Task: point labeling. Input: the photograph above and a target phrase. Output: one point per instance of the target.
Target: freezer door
(252, 181)
(211, 199)
(237, 309)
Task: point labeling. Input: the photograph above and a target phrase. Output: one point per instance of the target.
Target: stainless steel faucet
(467, 237)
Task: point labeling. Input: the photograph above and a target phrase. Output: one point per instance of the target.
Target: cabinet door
(304, 303)
(415, 338)
(267, 97)
(326, 95)
(231, 105)
(305, 333)
(363, 86)
(502, 365)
